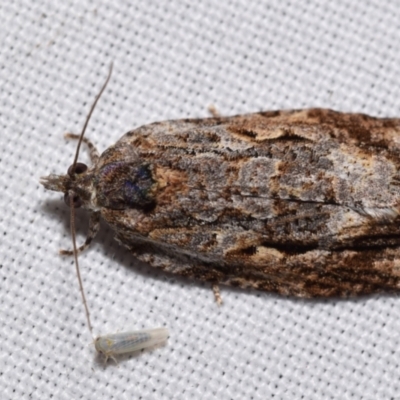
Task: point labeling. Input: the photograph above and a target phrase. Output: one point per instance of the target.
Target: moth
(301, 202)
(116, 344)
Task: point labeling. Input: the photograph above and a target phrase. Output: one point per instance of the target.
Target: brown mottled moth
(303, 202)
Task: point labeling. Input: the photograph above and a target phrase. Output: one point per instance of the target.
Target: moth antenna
(78, 273)
(78, 147)
(71, 200)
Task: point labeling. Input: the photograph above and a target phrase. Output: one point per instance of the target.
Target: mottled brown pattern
(302, 202)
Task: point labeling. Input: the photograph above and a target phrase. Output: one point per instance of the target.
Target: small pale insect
(115, 344)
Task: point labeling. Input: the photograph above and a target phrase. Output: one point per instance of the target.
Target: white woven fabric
(171, 60)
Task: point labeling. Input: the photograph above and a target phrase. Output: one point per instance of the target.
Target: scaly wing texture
(297, 202)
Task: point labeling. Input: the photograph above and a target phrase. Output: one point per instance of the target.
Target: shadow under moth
(302, 203)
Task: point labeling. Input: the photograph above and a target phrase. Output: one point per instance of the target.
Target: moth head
(73, 184)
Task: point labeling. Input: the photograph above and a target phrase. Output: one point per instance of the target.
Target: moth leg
(213, 111)
(94, 227)
(93, 153)
(217, 293)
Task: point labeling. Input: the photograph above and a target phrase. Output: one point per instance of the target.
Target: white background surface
(171, 60)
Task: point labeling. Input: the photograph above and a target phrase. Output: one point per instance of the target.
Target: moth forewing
(299, 202)
(115, 344)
